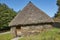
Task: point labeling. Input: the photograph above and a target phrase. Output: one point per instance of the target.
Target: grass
(52, 34)
(6, 36)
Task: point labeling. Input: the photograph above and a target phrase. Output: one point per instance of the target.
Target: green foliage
(58, 12)
(57, 15)
(6, 15)
(58, 2)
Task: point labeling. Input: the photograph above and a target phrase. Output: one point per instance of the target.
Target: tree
(6, 15)
(58, 13)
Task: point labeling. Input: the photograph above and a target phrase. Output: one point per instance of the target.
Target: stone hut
(30, 20)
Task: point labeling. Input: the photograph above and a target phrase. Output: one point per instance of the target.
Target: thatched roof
(30, 14)
(57, 19)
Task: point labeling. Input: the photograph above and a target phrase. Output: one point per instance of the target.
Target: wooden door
(18, 29)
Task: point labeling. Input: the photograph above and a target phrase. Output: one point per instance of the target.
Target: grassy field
(52, 34)
(5, 36)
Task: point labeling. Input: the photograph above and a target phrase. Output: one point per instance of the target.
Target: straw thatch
(29, 15)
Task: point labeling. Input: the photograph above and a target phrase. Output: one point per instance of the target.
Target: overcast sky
(48, 6)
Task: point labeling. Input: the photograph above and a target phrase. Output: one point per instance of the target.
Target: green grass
(5, 36)
(52, 34)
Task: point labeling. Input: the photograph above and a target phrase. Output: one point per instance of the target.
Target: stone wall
(13, 31)
(27, 30)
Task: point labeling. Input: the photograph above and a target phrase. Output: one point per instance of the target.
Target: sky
(48, 6)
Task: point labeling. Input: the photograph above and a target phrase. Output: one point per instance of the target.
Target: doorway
(18, 30)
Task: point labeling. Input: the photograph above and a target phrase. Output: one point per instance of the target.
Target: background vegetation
(6, 15)
(57, 15)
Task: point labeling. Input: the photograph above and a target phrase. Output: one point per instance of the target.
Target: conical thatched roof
(30, 14)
